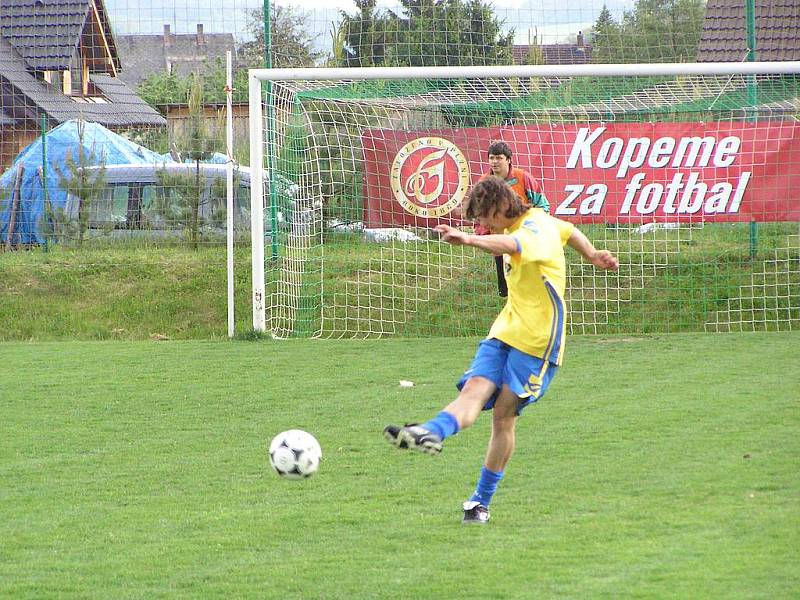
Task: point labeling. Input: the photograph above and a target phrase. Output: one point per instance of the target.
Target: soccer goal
(690, 173)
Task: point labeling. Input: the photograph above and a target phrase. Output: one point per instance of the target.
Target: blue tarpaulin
(104, 145)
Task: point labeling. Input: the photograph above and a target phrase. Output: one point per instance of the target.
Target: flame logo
(428, 169)
(427, 191)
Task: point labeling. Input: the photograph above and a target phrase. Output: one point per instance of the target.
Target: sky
(553, 20)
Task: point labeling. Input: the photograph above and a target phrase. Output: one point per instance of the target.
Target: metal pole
(44, 169)
(752, 97)
(270, 126)
(267, 36)
(229, 173)
(257, 203)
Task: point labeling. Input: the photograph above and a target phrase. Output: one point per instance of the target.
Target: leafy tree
(363, 37)
(654, 31)
(425, 33)
(338, 42)
(292, 45)
(159, 89)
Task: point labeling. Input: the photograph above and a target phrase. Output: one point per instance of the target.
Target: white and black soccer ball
(295, 454)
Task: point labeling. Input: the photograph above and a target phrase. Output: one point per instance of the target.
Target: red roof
(556, 54)
(724, 37)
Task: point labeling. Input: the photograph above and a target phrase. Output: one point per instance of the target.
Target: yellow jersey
(534, 319)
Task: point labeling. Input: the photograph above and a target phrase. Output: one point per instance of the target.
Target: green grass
(688, 275)
(659, 467)
(132, 291)
(124, 292)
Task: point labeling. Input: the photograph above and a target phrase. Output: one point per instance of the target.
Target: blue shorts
(527, 376)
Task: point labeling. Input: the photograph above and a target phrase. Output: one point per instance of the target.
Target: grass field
(671, 281)
(658, 467)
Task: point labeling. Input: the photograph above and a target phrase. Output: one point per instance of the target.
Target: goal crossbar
(468, 72)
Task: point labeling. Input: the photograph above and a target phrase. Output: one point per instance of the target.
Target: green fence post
(43, 129)
(273, 196)
(752, 97)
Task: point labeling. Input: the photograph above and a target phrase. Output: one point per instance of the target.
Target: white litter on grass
(339, 225)
(375, 234)
(648, 227)
(406, 383)
(388, 234)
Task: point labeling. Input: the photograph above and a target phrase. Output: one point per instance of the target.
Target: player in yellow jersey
(516, 362)
(523, 183)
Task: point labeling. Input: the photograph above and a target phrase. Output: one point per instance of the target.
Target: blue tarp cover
(106, 146)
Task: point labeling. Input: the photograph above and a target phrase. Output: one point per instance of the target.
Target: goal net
(689, 173)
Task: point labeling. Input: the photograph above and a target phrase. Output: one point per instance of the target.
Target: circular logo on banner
(430, 177)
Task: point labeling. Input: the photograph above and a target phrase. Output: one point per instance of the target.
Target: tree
(535, 54)
(182, 196)
(606, 40)
(292, 45)
(361, 37)
(160, 89)
(654, 31)
(85, 184)
(425, 33)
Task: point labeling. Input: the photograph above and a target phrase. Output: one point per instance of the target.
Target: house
(724, 36)
(59, 61)
(180, 54)
(178, 120)
(579, 53)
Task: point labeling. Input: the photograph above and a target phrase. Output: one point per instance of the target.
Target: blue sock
(444, 425)
(487, 486)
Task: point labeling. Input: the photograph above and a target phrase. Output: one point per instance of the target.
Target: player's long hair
(490, 195)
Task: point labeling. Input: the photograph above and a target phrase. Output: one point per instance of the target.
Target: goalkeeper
(527, 188)
(524, 185)
(515, 364)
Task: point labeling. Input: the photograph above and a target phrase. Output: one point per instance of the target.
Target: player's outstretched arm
(602, 259)
(491, 244)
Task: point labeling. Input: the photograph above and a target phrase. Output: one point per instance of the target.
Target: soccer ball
(295, 454)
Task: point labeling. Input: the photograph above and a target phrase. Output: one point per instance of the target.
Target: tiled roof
(127, 109)
(19, 89)
(24, 97)
(556, 54)
(44, 32)
(141, 56)
(724, 37)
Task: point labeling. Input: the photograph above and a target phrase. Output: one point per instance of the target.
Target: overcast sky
(554, 20)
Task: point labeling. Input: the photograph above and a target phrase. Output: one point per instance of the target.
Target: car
(161, 197)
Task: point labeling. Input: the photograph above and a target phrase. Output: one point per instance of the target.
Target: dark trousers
(502, 287)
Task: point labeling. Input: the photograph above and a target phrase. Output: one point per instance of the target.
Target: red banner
(595, 173)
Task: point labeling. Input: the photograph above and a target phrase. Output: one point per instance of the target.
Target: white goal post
(262, 126)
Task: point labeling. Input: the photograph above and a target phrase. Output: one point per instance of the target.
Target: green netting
(337, 278)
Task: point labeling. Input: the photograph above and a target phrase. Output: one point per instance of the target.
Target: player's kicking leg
(413, 437)
(461, 413)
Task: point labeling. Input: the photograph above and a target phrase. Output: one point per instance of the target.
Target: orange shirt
(526, 187)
